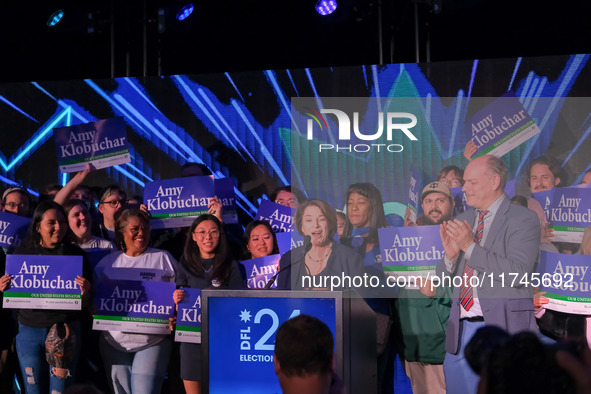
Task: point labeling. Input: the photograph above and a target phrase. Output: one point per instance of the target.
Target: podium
(239, 328)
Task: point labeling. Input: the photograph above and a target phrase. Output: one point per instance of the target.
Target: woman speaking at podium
(318, 263)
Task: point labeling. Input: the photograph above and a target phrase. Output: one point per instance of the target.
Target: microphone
(307, 243)
(307, 246)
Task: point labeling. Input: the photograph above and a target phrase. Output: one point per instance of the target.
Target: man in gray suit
(486, 248)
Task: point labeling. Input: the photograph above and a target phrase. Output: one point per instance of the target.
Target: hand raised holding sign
(66, 192)
(5, 282)
(215, 207)
(470, 149)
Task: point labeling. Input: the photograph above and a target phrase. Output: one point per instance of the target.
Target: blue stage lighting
(326, 7)
(185, 12)
(55, 18)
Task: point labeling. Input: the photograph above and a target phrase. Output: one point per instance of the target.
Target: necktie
(466, 292)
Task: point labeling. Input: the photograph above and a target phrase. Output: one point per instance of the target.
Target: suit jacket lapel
(498, 222)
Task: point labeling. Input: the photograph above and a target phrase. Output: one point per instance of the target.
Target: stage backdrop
(240, 124)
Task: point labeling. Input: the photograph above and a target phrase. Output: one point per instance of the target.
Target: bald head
(485, 179)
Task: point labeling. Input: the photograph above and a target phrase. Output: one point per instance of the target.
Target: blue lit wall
(239, 124)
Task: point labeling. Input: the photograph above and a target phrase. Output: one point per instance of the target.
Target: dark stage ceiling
(102, 39)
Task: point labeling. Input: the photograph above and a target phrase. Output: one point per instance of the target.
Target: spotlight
(185, 12)
(326, 7)
(55, 18)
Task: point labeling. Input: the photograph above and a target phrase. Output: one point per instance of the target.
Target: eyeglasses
(290, 202)
(13, 205)
(202, 234)
(115, 203)
(452, 183)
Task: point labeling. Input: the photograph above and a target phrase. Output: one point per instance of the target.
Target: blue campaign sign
(569, 210)
(289, 240)
(510, 188)
(566, 279)
(133, 306)
(413, 193)
(13, 229)
(260, 270)
(102, 143)
(408, 251)
(134, 298)
(43, 282)
(460, 200)
(242, 336)
(284, 242)
(500, 126)
(188, 321)
(177, 202)
(279, 216)
(224, 190)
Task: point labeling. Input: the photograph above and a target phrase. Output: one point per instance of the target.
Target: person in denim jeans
(45, 237)
(135, 363)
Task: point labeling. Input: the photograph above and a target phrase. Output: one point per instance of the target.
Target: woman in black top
(46, 237)
(206, 263)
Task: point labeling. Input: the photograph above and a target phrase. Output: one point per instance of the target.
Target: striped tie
(466, 292)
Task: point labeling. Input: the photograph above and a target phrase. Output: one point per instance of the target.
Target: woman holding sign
(48, 341)
(206, 263)
(135, 362)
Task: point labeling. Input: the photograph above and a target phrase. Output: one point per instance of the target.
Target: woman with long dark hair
(365, 211)
(206, 263)
(259, 240)
(50, 373)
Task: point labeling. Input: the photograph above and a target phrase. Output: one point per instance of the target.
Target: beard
(443, 217)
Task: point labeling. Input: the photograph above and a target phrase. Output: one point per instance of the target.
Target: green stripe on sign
(561, 297)
(98, 157)
(43, 295)
(188, 328)
(506, 138)
(130, 319)
(569, 228)
(411, 268)
(178, 214)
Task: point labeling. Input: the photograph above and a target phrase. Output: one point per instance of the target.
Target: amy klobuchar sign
(569, 211)
(43, 282)
(410, 251)
(260, 270)
(13, 229)
(413, 194)
(566, 279)
(102, 143)
(279, 216)
(133, 306)
(188, 318)
(500, 126)
(177, 202)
